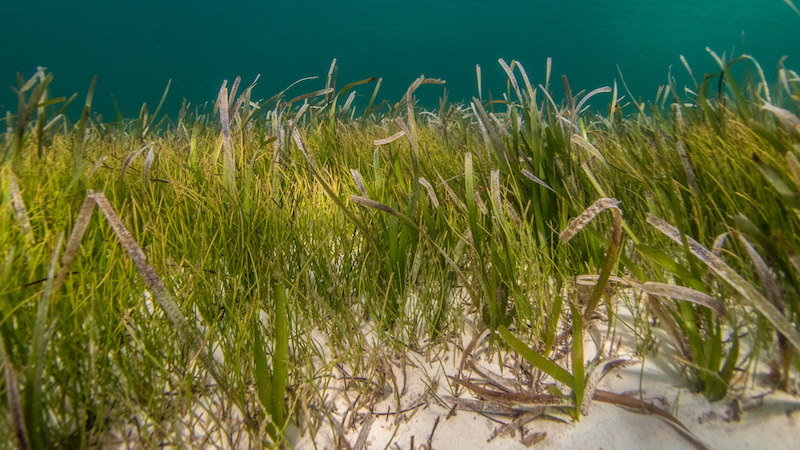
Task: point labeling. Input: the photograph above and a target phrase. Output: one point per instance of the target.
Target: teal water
(135, 47)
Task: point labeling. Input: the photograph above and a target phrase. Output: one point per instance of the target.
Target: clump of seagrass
(751, 296)
(188, 335)
(583, 385)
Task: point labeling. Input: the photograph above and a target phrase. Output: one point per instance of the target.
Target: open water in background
(136, 46)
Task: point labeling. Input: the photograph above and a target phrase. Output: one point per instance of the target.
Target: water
(135, 47)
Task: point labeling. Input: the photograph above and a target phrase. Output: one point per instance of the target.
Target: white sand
(362, 407)
(768, 420)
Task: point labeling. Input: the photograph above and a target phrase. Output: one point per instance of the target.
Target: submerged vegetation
(225, 236)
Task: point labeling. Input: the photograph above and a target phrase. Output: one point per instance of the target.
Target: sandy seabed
(752, 416)
(358, 409)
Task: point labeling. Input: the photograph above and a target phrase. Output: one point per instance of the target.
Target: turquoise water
(135, 47)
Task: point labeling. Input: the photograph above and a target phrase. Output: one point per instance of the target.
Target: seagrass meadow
(162, 278)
